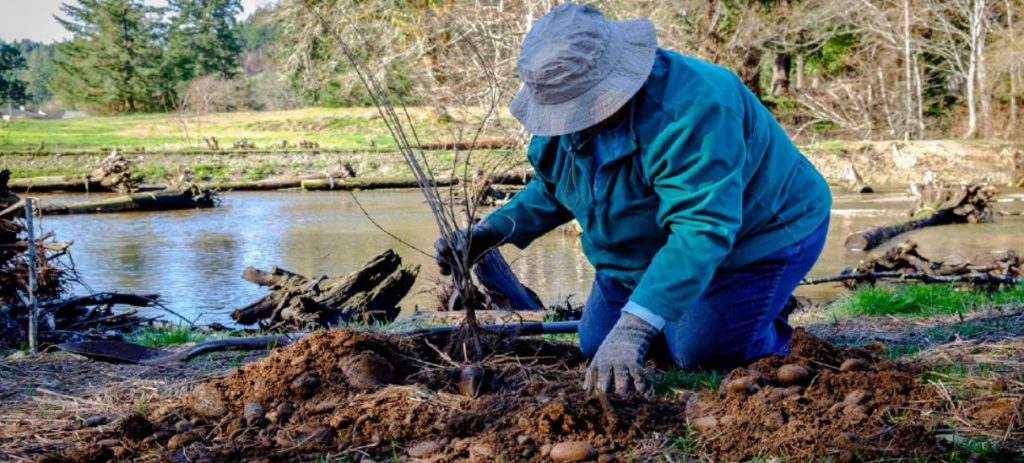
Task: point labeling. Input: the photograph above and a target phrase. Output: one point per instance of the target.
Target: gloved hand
(620, 357)
(482, 236)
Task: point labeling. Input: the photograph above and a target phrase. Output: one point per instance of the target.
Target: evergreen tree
(12, 87)
(112, 61)
(203, 39)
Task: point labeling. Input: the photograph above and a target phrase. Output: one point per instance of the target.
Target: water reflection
(194, 259)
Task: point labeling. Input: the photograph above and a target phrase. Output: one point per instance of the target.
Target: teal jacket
(708, 179)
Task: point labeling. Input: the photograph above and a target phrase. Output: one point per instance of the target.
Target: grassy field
(339, 129)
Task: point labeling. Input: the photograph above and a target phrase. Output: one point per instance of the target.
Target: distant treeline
(872, 69)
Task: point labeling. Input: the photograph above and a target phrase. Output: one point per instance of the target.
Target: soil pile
(379, 396)
(816, 401)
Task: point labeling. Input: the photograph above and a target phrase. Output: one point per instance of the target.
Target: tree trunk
(750, 70)
(870, 238)
(1014, 70)
(158, 201)
(780, 74)
(984, 87)
(908, 63)
(800, 71)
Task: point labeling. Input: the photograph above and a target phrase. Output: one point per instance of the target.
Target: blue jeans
(739, 318)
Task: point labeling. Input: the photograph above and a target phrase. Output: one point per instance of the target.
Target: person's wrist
(644, 314)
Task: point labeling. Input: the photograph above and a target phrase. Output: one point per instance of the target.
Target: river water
(194, 259)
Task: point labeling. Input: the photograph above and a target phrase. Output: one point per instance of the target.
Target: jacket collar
(566, 141)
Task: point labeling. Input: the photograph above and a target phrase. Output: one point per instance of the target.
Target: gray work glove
(620, 357)
(481, 237)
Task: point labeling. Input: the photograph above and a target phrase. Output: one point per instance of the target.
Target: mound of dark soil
(378, 396)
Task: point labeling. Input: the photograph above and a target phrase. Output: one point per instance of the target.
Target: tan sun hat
(578, 68)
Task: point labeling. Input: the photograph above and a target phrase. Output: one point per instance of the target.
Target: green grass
(165, 336)
(920, 300)
(343, 129)
(678, 379)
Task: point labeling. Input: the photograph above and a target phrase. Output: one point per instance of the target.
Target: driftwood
(903, 262)
(854, 182)
(193, 198)
(937, 204)
(469, 145)
(367, 183)
(113, 174)
(370, 294)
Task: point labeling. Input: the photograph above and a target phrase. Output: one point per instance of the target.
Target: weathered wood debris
(904, 262)
(190, 197)
(113, 174)
(937, 204)
(368, 295)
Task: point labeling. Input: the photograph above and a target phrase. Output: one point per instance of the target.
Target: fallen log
(367, 183)
(152, 201)
(937, 204)
(369, 294)
(55, 183)
(470, 145)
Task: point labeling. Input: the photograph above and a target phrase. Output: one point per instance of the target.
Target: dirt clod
(305, 385)
(424, 449)
(135, 427)
(704, 424)
(207, 401)
(572, 452)
(741, 385)
(791, 374)
(876, 346)
(853, 365)
(367, 370)
(253, 413)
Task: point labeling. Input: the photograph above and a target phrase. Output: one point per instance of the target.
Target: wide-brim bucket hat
(578, 68)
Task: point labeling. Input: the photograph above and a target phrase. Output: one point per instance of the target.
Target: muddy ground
(935, 390)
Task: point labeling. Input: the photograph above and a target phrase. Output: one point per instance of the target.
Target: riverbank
(879, 163)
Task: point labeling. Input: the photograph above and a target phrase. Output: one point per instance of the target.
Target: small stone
(876, 346)
(424, 449)
(471, 381)
(181, 440)
(299, 361)
(273, 417)
(305, 385)
(93, 421)
(285, 410)
(253, 413)
(184, 426)
(545, 450)
(704, 424)
(206, 400)
(572, 452)
(792, 374)
(853, 365)
(522, 439)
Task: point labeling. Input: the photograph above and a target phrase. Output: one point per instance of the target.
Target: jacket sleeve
(531, 213)
(696, 168)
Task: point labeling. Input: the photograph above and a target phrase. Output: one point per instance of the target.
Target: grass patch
(342, 129)
(159, 336)
(678, 379)
(920, 300)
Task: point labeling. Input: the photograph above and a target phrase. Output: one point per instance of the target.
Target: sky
(33, 19)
